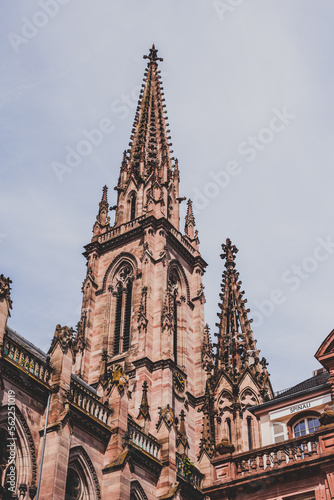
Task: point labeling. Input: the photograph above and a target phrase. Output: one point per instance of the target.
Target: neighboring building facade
(136, 403)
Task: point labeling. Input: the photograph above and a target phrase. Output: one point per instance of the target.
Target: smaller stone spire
(207, 351)
(190, 221)
(144, 409)
(236, 346)
(182, 439)
(207, 442)
(102, 218)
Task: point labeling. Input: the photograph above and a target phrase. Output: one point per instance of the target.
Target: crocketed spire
(149, 175)
(236, 346)
(149, 147)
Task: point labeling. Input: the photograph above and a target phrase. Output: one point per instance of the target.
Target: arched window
(173, 291)
(229, 429)
(81, 481)
(75, 488)
(305, 426)
(123, 310)
(137, 492)
(133, 200)
(169, 207)
(249, 433)
(15, 477)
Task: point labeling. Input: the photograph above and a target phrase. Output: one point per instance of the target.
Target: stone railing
(182, 239)
(188, 471)
(146, 442)
(122, 228)
(88, 401)
(21, 356)
(276, 456)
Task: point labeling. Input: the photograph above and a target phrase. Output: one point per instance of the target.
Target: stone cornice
(176, 239)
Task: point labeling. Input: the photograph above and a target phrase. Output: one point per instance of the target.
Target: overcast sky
(249, 94)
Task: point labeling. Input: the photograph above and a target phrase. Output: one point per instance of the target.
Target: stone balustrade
(32, 364)
(188, 471)
(84, 397)
(273, 457)
(146, 442)
(182, 239)
(278, 455)
(122, 228)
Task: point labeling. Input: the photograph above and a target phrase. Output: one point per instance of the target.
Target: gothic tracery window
(123, 310)
(76, 485)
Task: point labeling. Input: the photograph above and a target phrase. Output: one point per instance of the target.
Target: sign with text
(302, 406)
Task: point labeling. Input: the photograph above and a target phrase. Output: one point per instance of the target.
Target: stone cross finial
(230, 252)
(153, 55)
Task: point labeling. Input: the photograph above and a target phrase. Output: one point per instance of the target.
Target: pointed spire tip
(153, 57)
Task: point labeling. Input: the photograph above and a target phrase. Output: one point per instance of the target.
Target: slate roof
(310, 383)
(13, 335)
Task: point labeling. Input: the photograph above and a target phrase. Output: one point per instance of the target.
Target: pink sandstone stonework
(136, 403)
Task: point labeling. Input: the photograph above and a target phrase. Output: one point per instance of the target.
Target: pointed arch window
(133, 201)
(173, 291)
(75, 485)
(249, 433)
(123, 310)
(169, 207)
(229, 429)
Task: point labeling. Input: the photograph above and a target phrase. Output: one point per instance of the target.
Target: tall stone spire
(149, 146)
(236, 346)
(148, 174)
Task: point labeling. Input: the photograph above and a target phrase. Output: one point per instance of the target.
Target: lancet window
(173, 292)
(123, 305)
(133, 201)
(81, 481)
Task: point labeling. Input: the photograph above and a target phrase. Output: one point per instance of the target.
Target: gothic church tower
(139, 339)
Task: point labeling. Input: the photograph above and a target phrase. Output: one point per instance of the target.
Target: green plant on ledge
(187, 467)
(25, 364)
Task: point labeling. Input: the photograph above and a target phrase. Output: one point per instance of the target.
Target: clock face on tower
(178, 382)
